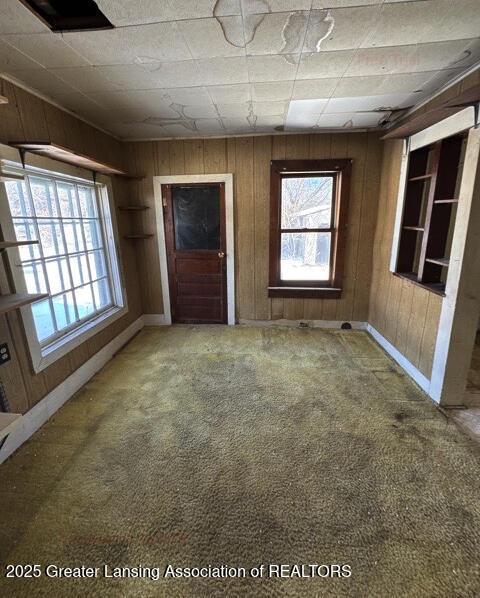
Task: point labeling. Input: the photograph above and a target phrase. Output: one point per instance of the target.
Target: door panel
(195, 238)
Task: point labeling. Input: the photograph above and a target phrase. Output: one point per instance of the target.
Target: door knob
(221, 254)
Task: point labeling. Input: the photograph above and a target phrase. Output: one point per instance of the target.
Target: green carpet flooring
(215, 445)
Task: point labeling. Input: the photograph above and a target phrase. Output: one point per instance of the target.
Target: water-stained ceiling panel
(179, 68)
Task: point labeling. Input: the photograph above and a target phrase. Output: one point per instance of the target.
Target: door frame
(227, 179)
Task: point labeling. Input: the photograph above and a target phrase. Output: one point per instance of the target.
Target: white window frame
(43, 356)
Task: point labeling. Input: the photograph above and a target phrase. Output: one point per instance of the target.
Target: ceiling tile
(314, 88)
(273, 90)
(47, 49)
(272, 68)
(238, 125)
(368, 103)
(137, 130)
(188, 95)
(434, 21)
(210, 126)
(13, 60)
(304, 113)
(138, 104)
(324, 64)
(130, 45)
(43, 81)
(410, 59)
(345, 3)
(86, 78)
(126, 12)
(196, 9)
(212, 71)
(275, 33)
(16, 18)
(77, 102)
(348, 121)
(234, 110)
(341, 29)
(379, 84)
(214, 37)
(200, 111)
(270, 108)
(180, 130)
(265, 6)
(230, 94)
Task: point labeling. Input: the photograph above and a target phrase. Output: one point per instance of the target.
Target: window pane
(88, 204)
(196, 212)
(307, 202)
(93, 238)
(58, 276)
(97, 264)
(305, 256)
(43, 197)
(67, 200)
(102, 293)
(35, 278)
(64, 310)
(78, 264)
(84, 299)
(73, 235)
(50, 237)
(18, 198)
(43, 319)
(24, 231)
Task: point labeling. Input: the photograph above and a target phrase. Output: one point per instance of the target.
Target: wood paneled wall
(404, 313)
(28, 118)
(248, 158)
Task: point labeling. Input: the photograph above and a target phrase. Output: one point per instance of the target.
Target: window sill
(305, 292)
(45, 356)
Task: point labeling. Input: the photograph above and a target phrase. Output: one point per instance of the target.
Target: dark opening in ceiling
(62, 15)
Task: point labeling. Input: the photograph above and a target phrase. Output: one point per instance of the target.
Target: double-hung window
(307, 227)
(74, 261)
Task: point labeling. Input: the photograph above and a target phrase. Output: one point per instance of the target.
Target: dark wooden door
(196, 245)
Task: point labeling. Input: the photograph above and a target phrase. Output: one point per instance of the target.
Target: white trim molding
(40, 413)
(327, 324)
(227, 179)
(461, 306)
(155, 320)
(402, 361)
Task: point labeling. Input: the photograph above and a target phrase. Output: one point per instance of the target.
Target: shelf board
(7, 244)
(58, 152)
(133, 208)
(422, 177)
(441, 261)
(417, 228)
(445, 201)
(16, 300)
(140, 236)
(3, 100)
(8, 421)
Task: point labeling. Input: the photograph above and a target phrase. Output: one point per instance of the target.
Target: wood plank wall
(404, 313)
(26, 117)
(248, 158)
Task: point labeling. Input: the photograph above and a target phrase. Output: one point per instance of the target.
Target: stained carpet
(243, 446)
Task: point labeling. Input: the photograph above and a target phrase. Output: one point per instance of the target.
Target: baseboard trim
(402, 361)
(334, 324)
(40, 413)
(155, 320)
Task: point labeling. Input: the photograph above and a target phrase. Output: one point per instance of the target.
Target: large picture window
(308, 220)
(74, 261)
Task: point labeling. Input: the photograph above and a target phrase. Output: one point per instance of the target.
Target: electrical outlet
(4, 353)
